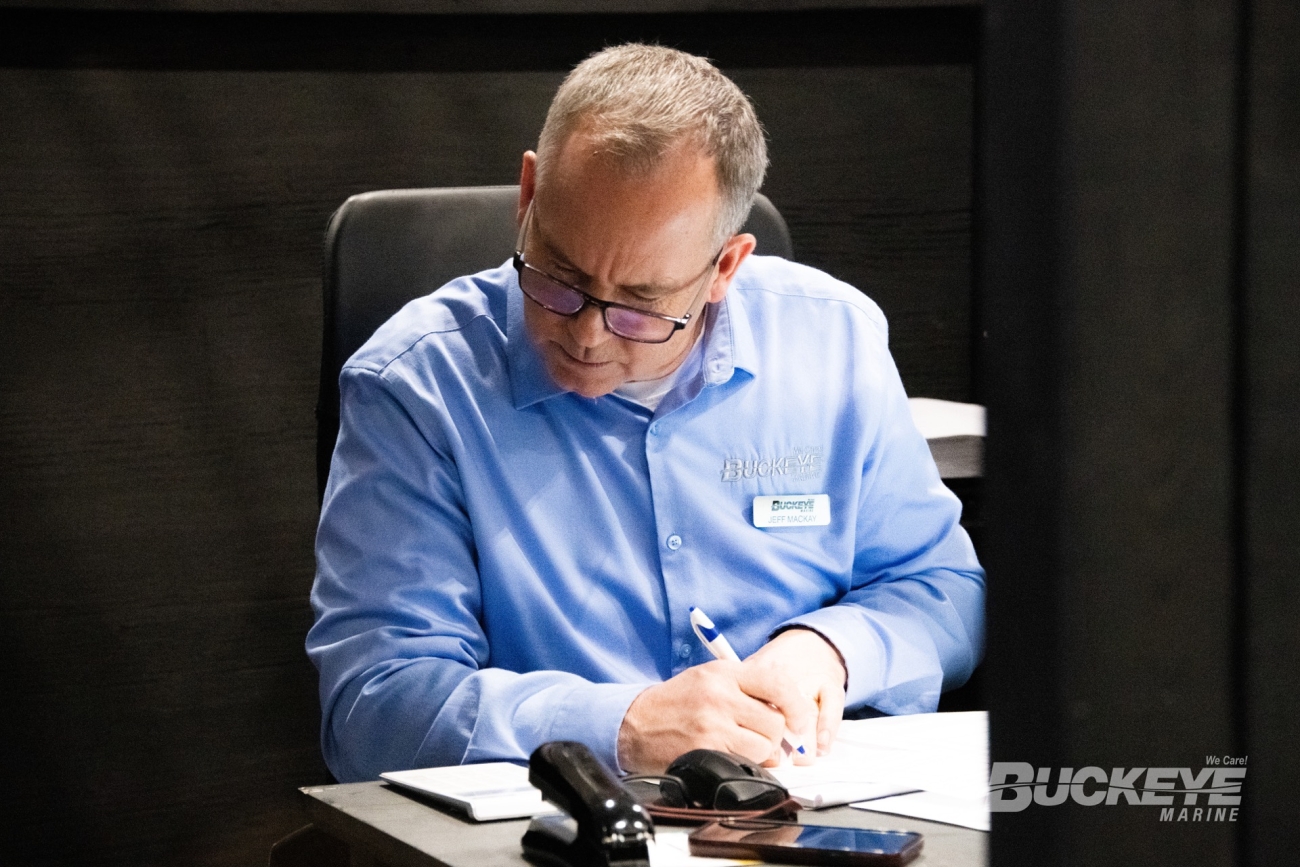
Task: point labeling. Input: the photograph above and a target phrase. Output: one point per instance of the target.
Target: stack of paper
(834, 781)
(941, 759)
(493, 790)
(944, 755)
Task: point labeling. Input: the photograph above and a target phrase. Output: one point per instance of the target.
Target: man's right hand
(713, 706)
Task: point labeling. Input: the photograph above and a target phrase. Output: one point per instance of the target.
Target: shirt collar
(529, 381)
(729, 343)
(728, 347)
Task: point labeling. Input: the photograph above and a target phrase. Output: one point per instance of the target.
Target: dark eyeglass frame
(676, 794)
(678, 322)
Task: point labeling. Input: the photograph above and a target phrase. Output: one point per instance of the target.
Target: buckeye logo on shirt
(799, 464)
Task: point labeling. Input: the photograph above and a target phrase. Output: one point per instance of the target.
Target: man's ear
(527, 185)
(734, 252)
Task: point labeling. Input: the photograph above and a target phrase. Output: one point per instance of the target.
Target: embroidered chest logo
(799, 464)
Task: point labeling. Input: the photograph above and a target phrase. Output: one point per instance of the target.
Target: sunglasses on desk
(670, 799)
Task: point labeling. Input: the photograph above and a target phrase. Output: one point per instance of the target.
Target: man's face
(642, 241)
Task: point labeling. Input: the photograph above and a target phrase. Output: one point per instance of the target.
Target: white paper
(830, 783)
(936, 752)
(488, 791)
(967, 812)
(673, 849)
(942, 756)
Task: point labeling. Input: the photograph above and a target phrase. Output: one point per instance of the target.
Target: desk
(384, 826)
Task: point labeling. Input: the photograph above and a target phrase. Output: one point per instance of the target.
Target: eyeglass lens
(563, 300)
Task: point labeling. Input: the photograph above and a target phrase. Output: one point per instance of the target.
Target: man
(542, 467)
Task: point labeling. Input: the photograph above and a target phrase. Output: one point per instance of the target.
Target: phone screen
(851, 839)
(792, 842)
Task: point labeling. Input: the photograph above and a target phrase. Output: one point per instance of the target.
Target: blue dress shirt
(500, 563)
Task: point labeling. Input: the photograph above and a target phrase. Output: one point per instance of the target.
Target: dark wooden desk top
(383, 825)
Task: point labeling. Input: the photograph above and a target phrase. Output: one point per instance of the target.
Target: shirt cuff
(592, 713)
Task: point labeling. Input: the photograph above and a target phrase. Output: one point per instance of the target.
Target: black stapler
(605, 826)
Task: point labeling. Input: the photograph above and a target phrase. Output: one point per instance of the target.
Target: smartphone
(792, 843)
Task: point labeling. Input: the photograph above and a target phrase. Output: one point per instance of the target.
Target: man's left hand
(806, 658)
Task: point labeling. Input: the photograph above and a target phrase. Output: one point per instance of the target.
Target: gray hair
(639, 101)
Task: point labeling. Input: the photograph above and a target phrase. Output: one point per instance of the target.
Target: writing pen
(721, 648)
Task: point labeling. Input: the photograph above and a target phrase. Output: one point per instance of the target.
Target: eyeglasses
(630, 323)
(730, 795)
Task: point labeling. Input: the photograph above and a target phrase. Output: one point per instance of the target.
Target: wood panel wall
(165, 180)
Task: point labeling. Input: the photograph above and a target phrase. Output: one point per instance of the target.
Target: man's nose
(587, 326)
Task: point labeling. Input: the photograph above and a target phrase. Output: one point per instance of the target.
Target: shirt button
(684, 650)
(674, 542)
(654, 428)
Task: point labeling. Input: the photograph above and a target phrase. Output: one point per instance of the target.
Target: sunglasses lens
(748, 795)
(657, 791)
(672, 793)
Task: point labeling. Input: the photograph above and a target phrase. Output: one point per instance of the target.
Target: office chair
(388, 247)
(385, 248)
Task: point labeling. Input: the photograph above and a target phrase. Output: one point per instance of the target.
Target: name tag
(797, 510)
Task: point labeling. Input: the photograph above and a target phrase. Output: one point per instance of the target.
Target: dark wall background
(165, 180)
(1140, 256)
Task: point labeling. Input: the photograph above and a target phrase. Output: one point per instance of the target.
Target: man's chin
(586, 386)
(593, 392)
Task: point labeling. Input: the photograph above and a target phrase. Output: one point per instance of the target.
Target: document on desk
(943, 759)
(671, 848)
(488, 791)
(940, 757)
(835, 780)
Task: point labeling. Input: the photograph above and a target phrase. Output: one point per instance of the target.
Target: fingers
(758, 748)
(794, 682)
(802, 674)
(702, 707)
(830, 714)
(759, 717)
(798, 711)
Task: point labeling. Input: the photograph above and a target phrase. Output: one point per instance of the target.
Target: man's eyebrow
(564, 263)
(557, 257)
